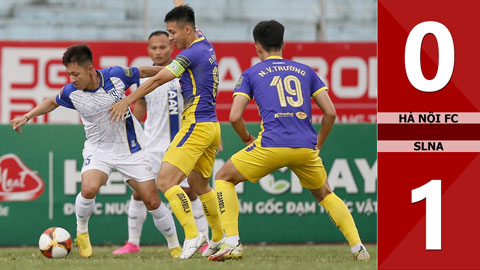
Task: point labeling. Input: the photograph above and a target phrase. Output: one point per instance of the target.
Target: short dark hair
(78, 54)
(157, 33)
(269, 34)
(183, 14)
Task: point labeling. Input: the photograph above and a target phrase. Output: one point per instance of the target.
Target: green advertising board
(44, 164)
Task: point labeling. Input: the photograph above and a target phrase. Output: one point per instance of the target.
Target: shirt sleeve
(129, 75)
(317, 84)
(63, 97)
(242, 87)
(181, 62)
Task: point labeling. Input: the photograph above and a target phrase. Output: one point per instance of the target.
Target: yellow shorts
(194, 147)
(255, 161)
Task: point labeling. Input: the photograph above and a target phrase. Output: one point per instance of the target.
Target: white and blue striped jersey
(164, 110)
(112, 138)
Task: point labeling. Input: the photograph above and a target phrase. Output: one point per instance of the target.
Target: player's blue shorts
(255, 161)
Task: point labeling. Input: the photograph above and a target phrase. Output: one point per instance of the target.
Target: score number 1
(431, 191)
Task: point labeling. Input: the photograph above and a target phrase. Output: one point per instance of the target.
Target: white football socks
(199, 215)
(357, 248)
(163, 220)
(137, 213)
(233, 240)
(83, 210)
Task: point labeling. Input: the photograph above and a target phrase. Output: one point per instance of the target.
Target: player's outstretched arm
(178, 3)
(140, 109)
(118, 110)
(149, 71)
(238, 107)
(46, 106)
(329, 114)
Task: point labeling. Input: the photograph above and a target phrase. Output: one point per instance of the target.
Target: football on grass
(55, 242)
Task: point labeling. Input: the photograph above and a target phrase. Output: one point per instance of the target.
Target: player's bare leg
(341, 217)
(162, 217)
(226, 179)
(92, 180)
(167, 182)
(210, 207)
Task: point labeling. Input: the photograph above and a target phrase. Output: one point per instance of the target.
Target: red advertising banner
(33, 71)
(428, 135)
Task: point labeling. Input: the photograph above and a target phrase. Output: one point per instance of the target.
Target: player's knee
(164, 184)
(223, 174)
(136, 196)
(220, 175)
(321, 193)
(151, 201)
(190, 193)
(324, 193)
(89, 191)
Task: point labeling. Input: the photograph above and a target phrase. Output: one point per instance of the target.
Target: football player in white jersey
(164, 108)
(109, 145)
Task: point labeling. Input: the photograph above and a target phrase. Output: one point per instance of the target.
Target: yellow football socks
(182, 208)
(228, 206)
(210, 208)
(341, 217)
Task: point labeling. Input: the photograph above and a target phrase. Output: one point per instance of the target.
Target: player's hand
(118, 110)
(19, 122)
(220, 147)
(250, 140)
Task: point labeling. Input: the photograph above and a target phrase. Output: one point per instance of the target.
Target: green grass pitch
(275, 257)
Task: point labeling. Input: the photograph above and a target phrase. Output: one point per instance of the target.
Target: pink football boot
(127, 248)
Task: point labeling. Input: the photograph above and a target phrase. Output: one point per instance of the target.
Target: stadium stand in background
(223, 20)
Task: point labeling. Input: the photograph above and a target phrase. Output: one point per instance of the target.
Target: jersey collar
(102, 80)
(274, 57)
(196, 40)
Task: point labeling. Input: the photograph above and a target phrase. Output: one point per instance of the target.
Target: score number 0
(431, 191)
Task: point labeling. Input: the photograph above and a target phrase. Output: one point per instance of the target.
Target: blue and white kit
(109, 144)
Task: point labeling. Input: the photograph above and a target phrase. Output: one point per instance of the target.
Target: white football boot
(190, 246)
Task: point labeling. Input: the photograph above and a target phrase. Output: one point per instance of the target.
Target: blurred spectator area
(220, 20)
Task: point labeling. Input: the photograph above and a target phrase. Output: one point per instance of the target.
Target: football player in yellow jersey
(192, 151)
(282, 90)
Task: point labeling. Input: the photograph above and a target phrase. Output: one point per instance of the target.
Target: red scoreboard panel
(428, 134)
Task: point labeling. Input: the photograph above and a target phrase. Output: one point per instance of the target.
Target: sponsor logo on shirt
(239, 82)
(301, 115)
(286, 114)
(128, 71)
(114, 94)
